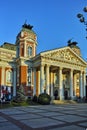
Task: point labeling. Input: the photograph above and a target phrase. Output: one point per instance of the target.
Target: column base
(61, 97)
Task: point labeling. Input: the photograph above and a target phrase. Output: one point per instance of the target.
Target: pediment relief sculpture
(65, 55)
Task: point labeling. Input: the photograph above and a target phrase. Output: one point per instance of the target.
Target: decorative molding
(64, 55)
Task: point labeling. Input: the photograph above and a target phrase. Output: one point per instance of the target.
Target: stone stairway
(63, 102)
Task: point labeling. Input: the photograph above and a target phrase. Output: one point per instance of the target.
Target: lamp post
(82, 19)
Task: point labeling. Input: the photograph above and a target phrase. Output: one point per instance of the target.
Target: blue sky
(54, 22)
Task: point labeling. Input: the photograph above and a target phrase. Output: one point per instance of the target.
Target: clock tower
(26, 42)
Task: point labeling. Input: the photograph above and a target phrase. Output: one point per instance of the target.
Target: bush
(35, 98)
(44, 99)
(19, 98)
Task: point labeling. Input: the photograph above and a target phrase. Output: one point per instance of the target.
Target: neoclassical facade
(60, 70)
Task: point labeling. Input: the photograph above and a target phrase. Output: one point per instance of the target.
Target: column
(61, 91)
(71, 83)
(81, 87)
(84, 84)
(74, 84)
(3, 76)
(47, 79)
(51, 84)
(34, 50)
(14, 82)
(25, 49)
(2, 79)
(42, 78)
(34, 89)
(38, 82)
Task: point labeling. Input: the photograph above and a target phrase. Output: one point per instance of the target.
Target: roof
(8, 46)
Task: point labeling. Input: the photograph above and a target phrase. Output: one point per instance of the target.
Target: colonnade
(49, 83)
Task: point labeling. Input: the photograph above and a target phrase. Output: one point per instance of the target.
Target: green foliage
(31, 102)
(20, 97)
(44, 99)
(35, 98)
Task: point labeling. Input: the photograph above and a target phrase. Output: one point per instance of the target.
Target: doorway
(86, 91)
(66, 94)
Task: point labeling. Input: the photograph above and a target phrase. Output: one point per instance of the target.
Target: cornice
(7, 51)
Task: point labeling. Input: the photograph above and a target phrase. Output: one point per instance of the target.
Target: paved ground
(48, 117)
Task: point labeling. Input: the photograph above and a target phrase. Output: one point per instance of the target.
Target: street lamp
(82, 18)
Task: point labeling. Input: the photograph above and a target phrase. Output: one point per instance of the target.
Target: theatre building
(61, 70)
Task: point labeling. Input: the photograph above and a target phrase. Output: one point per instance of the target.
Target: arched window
(29, 51)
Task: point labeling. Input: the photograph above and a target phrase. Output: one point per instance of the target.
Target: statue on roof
(28, 26)
(70, 43)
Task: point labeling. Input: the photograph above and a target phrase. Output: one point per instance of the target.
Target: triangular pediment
(64, 54)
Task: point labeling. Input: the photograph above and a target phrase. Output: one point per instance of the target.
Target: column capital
(14, 68)
(60, 68)
(3, 67)
(42, 64)
(34, 69)
(71, 69)
(81, 72)
(84, 72)
(47, 65)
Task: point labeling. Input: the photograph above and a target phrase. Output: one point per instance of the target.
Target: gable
(64, 54)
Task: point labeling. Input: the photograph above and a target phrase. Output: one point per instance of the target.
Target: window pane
(9, 76)
(29, 76)
(29, 51)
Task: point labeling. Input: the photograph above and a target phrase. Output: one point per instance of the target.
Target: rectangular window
(18, 76)
(17, 51)
(9, 76)
(29, 74)
(29, 51)
(56, 82)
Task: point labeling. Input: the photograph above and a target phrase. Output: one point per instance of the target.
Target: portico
(61, 75)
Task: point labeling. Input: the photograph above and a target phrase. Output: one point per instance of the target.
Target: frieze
(64, 55)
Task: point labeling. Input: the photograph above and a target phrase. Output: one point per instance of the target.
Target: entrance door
(86, 91)
(66, 94)
(56, 94)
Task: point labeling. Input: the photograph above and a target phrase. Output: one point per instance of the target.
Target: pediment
(64, 54)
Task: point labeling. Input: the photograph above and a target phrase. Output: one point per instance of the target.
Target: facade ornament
(64, 54)
(27, 26)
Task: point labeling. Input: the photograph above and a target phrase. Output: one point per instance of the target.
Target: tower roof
(27, 26)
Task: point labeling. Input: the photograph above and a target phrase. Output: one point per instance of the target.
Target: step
(63, 102)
